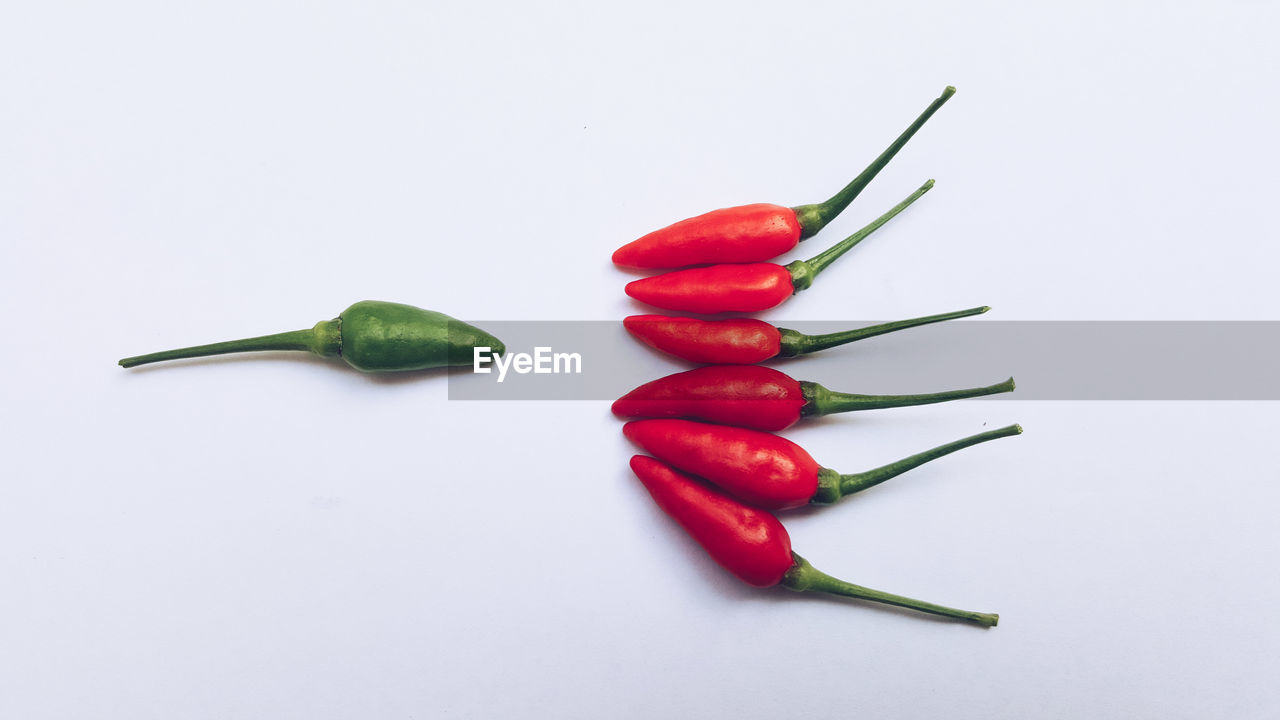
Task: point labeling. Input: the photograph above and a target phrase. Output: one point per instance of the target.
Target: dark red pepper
(745, 341)
(749, 287)
(753, 545)
(751, 233)
(767, 470)
(762, 398)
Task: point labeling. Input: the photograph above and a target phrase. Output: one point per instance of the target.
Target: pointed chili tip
(629, 431)
(951, 90)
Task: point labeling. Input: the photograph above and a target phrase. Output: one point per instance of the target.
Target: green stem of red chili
(813, 218)
(832, 485)
(803, 576)
(804, 271)
(821, 401)
(794, 343)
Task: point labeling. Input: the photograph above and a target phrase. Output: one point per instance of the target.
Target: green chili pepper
(370, 336)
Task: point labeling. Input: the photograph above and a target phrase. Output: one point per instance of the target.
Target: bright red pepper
(751, 233)
(745, 341)
(766, 470)
(746, 233)
(762, 398)
(749, 287)
(753, 545)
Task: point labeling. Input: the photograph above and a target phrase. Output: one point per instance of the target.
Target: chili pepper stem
(804, 271)
(814, 217)
(803, 577)
(832, 485)
(794, 343)
(324, 340)
(821, 401)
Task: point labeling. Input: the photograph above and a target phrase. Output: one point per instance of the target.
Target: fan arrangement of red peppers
(714, 464)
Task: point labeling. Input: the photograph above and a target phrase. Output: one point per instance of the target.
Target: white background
(280, 537)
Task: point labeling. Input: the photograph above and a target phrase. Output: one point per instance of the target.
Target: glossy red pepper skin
(752, 233)
(744, 341)
(750, 287)
(737, 341)
(743, 234)
(768, 471)
(753, 545)
(748, 542)
(758, 468)
(744, 395)
(761, 398)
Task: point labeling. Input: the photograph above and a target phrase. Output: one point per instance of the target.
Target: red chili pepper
(745, 341)
(753, 545)
(766, 470)
(762, 398)
(749, 287)
(751, 233)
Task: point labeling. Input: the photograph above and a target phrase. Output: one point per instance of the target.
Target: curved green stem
(814, 217)
(794, 343)
(820, 401)
(324, 339)
(804, 577)
(804, 271)
(832, 485)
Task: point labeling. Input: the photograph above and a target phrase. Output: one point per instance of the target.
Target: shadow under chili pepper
(647, 272)
(407, 376)
(640, 308)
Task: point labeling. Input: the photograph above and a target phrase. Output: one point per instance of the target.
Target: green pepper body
(370, 336)
(390, 337)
